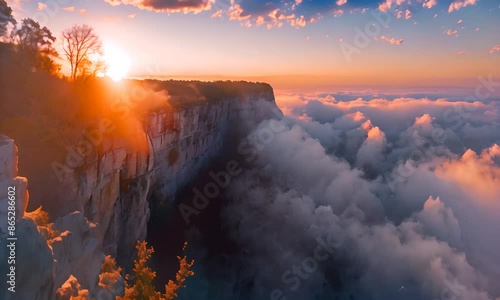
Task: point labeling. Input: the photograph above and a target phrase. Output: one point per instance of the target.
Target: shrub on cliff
(180, 278)
(141, 286)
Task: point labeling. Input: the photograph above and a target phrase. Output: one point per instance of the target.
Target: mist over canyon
(317, 196)
(379, 198)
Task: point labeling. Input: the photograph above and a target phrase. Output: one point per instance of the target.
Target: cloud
(271, 13)
(412, 243)
(388, 4)
(338, 12)
(41, 6)
(169, 6)
(408, 14)
(392, 41)
(217, 14)
(429, 3)
(451, 32)
(439, 221)
(371, 153)
(15, 4)
(69, 8)
(494, 48)
(458, 4)
(408, 188)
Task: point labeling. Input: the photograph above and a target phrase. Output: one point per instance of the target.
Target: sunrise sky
(425, 42)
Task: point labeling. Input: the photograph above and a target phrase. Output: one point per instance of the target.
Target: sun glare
(118, 63)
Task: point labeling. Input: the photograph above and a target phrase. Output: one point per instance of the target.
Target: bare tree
(83, 49)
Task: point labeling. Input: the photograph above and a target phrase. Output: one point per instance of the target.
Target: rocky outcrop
(31, 258)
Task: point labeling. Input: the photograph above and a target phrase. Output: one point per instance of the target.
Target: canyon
(105, 200)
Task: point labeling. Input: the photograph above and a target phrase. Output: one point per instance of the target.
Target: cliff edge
(108, 181)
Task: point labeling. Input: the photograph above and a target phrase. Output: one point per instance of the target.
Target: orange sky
(292, 46)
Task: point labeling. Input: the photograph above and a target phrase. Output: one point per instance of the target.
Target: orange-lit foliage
(180, 278)
(110, 273)
(142, 287)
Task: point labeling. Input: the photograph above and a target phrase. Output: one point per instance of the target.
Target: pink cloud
(452, 32)
(495, 49)
(170, 6)
(458, 4)
(430, 3)
(408, 14)
(235, 13)
(338, 12)
(389, 3)
(392, 41)
(217, 14)
(423, 120)
(476, 173)
(357, 116)
(41, 6)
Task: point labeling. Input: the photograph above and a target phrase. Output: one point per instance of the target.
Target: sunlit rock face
(33, 255)
(107, 199)
(9, 178)
(77, 250)
(161, 155)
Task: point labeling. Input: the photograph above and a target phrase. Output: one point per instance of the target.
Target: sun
(117, 62)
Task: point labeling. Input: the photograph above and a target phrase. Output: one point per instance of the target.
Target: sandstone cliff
(108, 195)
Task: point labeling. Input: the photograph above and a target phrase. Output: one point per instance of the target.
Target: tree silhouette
(5, 17)
(35, 45)
(83, 49)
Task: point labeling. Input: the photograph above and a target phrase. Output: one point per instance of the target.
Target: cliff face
(31, 254)
(109, 195)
